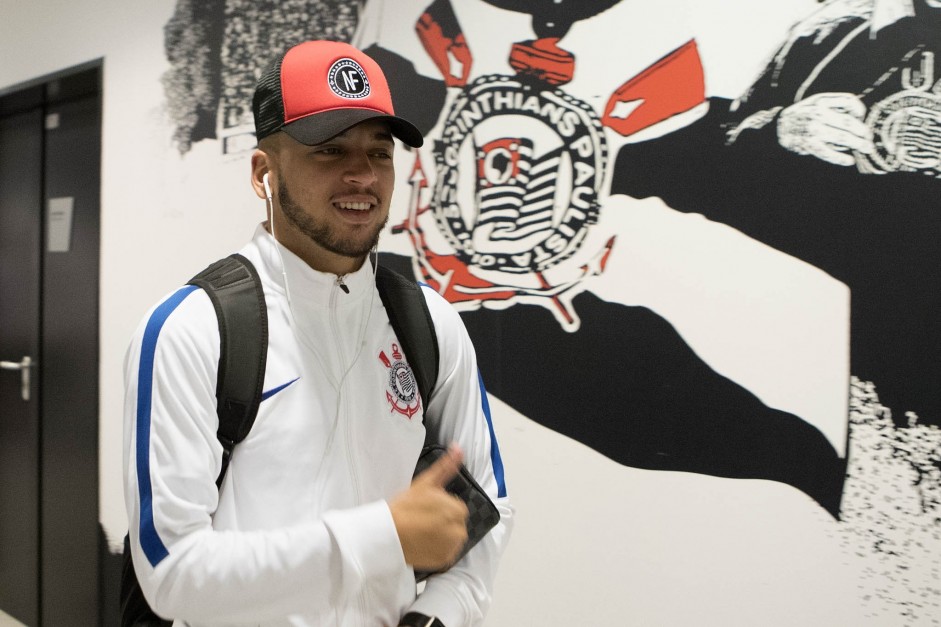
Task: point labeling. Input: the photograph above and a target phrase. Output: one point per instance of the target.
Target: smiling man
(337, 201)
(318, 520)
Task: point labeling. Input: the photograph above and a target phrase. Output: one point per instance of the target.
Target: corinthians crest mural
(741, 285)
(514, 236)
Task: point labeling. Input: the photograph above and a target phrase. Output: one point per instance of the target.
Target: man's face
(334, 197)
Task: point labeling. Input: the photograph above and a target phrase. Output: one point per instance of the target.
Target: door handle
(23, 366)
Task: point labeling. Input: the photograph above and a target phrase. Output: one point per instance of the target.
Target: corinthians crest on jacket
(402, 393)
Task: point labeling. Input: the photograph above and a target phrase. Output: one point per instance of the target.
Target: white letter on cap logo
(351, 80)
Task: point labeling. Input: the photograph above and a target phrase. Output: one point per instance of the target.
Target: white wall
(596, 542)
(163, 217)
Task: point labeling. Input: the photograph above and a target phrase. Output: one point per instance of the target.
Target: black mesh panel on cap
(267, 103)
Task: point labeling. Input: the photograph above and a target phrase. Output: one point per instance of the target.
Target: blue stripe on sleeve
(150, 541)
(495, 458)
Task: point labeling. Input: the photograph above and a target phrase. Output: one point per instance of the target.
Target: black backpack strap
(134, 609)
(408, 312)
(235, 290)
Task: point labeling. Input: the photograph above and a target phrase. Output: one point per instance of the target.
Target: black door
(20, 241)
(49, 249)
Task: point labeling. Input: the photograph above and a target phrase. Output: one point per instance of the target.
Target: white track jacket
(300, 533)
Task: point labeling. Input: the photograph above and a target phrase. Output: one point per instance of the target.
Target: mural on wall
(218, 48)
(833, 156)
(615, 377)
(544, 142)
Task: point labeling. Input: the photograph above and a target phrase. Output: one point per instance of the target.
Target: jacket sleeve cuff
(368, 543)
(415, 619)
(443, 604)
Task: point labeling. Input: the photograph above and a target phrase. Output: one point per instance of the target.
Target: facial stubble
(325, 235)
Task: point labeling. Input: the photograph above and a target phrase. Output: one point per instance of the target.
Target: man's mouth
(354, 206)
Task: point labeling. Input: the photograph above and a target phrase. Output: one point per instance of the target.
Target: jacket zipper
(363, 596)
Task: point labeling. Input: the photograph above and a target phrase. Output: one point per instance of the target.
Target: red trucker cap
(318, 89)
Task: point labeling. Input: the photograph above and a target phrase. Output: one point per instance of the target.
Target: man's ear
(261, 165)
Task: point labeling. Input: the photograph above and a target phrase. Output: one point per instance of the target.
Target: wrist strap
(415, 619)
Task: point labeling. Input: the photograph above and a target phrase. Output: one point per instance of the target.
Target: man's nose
(360, 169)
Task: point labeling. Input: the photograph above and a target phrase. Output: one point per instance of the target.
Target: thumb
(441, 472)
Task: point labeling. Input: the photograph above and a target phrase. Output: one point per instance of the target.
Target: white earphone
(264, 181)
(267, 185)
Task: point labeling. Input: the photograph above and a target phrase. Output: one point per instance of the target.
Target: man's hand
(431, 523)
(828, 126)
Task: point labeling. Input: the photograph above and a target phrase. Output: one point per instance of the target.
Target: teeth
(355, 206)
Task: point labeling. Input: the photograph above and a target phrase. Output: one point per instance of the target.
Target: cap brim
(319, 127)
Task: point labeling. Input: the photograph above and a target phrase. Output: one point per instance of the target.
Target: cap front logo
(348, 79)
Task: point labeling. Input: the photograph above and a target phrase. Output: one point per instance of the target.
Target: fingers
(444, 469)
(844, 103)
(853, 136)
(430, 522)
(828, 126)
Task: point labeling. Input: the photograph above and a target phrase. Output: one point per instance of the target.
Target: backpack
(235, 290)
